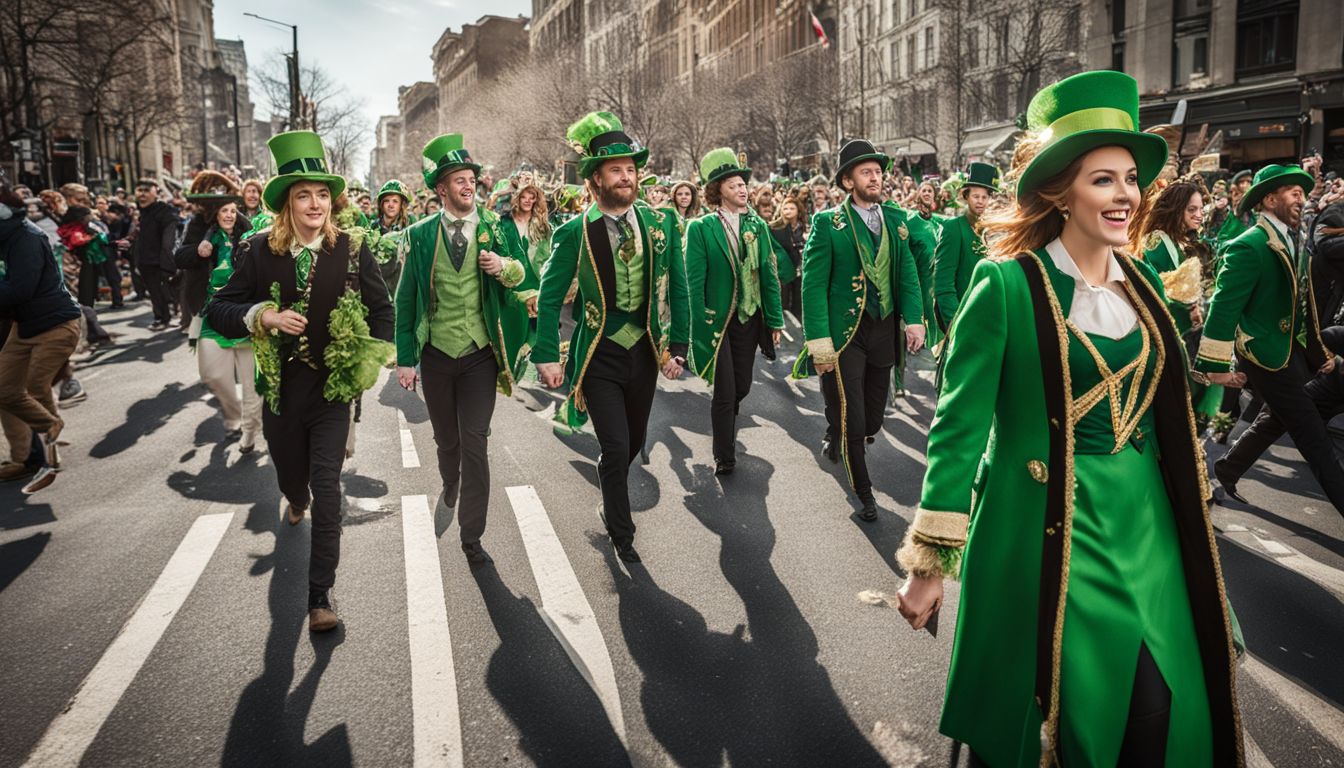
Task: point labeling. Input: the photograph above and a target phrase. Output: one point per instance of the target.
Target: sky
(371, 46)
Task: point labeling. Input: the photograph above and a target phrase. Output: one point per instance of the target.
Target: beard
(615, 197)
(863, 196)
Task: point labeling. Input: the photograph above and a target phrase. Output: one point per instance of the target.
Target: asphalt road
(153, 602)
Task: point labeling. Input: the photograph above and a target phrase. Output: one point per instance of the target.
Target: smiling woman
(1063, 383)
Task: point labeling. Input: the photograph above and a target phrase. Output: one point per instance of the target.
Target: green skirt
(1126, 588)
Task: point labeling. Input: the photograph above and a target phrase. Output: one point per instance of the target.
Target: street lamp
(293, 68)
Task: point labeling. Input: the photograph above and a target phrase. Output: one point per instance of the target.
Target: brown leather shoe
(322, 619)
(294, 516)
(13, 470)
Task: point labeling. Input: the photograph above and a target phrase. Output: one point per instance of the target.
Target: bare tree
(30, 32)
(332, 106)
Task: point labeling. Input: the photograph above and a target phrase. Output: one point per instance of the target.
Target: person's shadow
(753, 696)
(146, 417)
(560, 719)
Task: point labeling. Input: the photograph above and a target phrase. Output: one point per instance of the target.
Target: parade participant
(859, 281)
(86, 237)
(1093, 628)
(527, 227)
(634, 312)
(251, 200)
(657, 194)
(208, 191)
(153, 250)
(960, 247)
(1263, 309)
(461, 317)
(394, 215)
(734, 296)
(433, 205)
(301, 293)
(819, 194)
(789, 235)
(1239, 219)
(686, 200)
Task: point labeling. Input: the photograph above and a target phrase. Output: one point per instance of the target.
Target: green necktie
(303, 264)
(625, 239)
(457, 245)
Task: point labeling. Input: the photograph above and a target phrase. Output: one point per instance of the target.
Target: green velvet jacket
(503, 298)
(999, 484)
(1163, 255)
(833, 288)
(580, 247)
(1253, 309)
(713, 284)
(959, 249)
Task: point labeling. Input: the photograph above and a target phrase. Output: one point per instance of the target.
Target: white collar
(1281, 227)
(1064, 263)
(296, 248)
(449, 218)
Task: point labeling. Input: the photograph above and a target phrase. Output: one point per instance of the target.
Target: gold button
(1037, 470)
(1284, 325)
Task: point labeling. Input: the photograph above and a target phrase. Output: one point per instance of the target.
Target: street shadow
(559, 718)
(145, 417)
(16, 556)
(411, 404)
(24, 516)
(151, 350)
(267, 727)
(753, 696)
(1289, 622)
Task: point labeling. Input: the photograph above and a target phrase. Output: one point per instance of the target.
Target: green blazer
(1232, 228)
(1162, 254)
(1253, 309)
(712, 284)
(960, 248)
(580, 247)
(1000, 462)
(833, 282)
(924, 238)
(503, 298)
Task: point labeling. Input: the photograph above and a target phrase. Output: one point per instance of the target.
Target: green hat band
(303, 164)
(725, 168)
(1093, 119)
(456, 156)
(612, 143)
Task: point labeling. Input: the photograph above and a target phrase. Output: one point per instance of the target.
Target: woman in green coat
(1093, 627)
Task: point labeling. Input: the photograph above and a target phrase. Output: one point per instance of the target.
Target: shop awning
(984, 141)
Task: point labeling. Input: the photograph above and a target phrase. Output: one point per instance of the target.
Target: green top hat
(394, 187)
(299, 156)
(856, 151)
(982, 175)
(721, 163)
(443, 154)
(598, 137)
(1270, 178)
(1081, 113)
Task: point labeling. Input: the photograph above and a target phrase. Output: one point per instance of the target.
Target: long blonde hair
(284, 234)
(538, 222)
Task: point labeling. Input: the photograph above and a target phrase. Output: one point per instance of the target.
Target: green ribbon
(1093, 119)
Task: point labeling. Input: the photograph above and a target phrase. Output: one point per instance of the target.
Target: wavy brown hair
(284, 234)
(695, 198)
(1166, 213)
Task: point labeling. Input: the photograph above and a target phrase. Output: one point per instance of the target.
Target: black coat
(1327, 263)
(32, 291)
(153, 246)
(196, 270)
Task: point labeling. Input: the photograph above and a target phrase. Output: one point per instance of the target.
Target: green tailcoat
(713, 283)
(1254, 309)
(924, 238)
(960, 248)
(834, 288)
(504, 306)
(1000, 480)
(1232, 228)
(1163, 255)
(581, 247)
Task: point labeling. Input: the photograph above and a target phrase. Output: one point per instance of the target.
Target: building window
(1003, 40)
(1118, 18)
(910, 9)
(909, 55)
(1118, 57)
(972, 48)
(929, 58)
(1266, 36)
(895, 61)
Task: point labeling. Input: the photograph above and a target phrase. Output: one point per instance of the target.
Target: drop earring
(1065, 213)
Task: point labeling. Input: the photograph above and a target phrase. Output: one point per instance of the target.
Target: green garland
(353, 356)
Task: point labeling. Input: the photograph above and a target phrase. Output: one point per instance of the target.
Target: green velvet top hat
(299, 156)
(1081, 113)
(982, 175)
(394, 187)
(856, 151)
(598, 137)
(721, 163)
(444, 154)
(1270, 178)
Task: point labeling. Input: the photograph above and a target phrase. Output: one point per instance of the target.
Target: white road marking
(909, 452)
(71, 733)
(1314, 711)
(564, 607)
(409, 458)
(1328, 577)
(1255, 757)
(436, 723)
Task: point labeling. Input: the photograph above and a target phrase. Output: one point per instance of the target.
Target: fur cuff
(922, 560)
(822, 351)
(512, 273)
(947, 529)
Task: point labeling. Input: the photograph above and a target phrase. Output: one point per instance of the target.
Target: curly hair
(1166, 212)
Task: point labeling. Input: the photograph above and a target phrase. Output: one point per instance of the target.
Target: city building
(474, 58)
(233, 120)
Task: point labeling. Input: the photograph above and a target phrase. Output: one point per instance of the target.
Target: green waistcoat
(629, 326)
(877, 269)
(456, 323)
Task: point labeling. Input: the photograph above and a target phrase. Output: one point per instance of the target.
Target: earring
(1065, 213)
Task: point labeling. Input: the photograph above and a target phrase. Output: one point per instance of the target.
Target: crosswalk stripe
(409, 458)
(437, 724)
(71, 733)
(564, 607)
(1328, 577)
(1314, 711)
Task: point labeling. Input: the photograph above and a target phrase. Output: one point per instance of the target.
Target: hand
(407, 377)
(551, 374)
(1329, 365)
(673, 367)
(775, 335)
(914, 338)
(490, 263)
(205, 249)
(1229, 379)
(919, 598)
(532, 307)
(286, 321)
(823, 367)
(123, 244)
(1196, 317)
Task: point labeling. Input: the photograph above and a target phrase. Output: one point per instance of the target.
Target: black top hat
(856, 151)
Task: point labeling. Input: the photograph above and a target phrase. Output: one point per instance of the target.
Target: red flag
(821, 33)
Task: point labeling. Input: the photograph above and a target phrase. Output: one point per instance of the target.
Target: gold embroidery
(1038, 471)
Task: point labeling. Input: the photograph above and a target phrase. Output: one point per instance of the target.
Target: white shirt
(1282, 230)
(1095, 308)
(468, 223)
(315, 246)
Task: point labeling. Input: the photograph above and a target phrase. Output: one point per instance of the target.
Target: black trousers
(88, 282)
(460, 396)
(733, 369)
(1301, 403)
(861, 382)
(306, 441)
(618, 389)
(791, 297)
(112, 274)
(160, 293)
